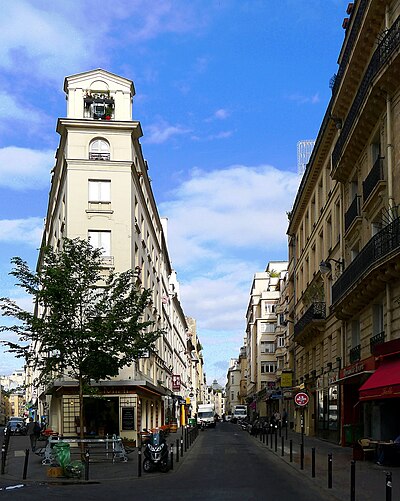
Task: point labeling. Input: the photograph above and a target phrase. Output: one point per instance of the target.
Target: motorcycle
(156, 453)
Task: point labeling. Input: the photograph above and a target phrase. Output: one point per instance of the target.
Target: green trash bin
(62, 453)
(348, 434)
(192, 422)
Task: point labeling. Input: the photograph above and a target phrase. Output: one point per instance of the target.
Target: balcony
(312, 321)
(355, 354)
(366, 274)
(353, 212)
(376, 340)
(384, 54)
(373, 179)
(99, 156)
(98, 106)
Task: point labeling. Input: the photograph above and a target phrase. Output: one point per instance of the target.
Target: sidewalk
(98, 470)
(370, 479)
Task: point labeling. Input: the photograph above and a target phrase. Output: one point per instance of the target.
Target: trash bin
(192, 421)
(62, 453)
(348, 434)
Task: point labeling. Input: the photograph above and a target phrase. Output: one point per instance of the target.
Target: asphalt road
(224, 464)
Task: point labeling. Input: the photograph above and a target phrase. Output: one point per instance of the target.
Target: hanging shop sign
(176, 382)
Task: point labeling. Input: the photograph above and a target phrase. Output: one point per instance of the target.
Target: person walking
(31, 432)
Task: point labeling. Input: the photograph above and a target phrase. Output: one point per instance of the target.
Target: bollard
(172, 456)
(301, 456)
(182, 447)
(264, 435)
(25, 464)
(388, 486)
(280, 430)
(353, 480)
(87, 457)
(140, 461)
(276, 440)
(177, 450)
(286, 430)
(283, 446)
(3, 459)
(330, 471)
(261, 435)
(313, 462)
(270, 438)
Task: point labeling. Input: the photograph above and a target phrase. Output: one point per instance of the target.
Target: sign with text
(128, 418)
(176, 382)
(286, 380)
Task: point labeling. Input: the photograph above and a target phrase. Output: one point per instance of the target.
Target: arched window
(99, 149)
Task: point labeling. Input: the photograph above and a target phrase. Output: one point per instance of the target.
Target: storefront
(351, 378)
(327, 407)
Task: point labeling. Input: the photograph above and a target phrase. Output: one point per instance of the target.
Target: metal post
(291, 450)
(177, 450)
(286, 429)
(302, 425)
(353, 480)
(270, 438)
(87, 457)
(182, 447)
(301, 456)
(172, 456)
(139, 461)
(313, 462)
(276, 440)
(3, 458)
(388, 486)
(186, 439)
(330, 471)
(25, 464)
(263, 435)
(283, 446)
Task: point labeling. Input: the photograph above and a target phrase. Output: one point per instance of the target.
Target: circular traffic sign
(301, 399)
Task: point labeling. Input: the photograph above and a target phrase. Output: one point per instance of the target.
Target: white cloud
(223, 227)
(221, 114)
(161, 132)
(24, 168)
(239, 208)
(27, 231)
(301, 99)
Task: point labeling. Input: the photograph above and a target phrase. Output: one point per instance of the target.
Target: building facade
(101, 191)
(344, 241)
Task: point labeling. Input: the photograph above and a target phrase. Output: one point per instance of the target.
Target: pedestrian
(30, 431)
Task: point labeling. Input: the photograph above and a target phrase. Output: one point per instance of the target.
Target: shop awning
(384, 382)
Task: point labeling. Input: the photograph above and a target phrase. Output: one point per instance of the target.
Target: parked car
(16, 426)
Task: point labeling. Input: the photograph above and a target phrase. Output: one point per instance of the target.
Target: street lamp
(325, 266)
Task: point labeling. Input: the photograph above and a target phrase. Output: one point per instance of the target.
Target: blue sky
(224, 91)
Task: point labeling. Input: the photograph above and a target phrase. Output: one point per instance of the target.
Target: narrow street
(224, 464)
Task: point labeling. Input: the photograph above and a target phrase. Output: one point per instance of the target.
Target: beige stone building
(101, 191)
(344, 244)
(263, 390)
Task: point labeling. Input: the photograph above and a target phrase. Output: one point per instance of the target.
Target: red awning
(384, 382)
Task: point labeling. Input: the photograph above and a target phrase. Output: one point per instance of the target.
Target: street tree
(86, 324)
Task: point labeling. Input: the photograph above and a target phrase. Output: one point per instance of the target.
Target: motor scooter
(156, 452)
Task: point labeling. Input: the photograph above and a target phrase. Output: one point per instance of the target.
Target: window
(99, 149)
(99, 191)
(281, 341)
(269, 308)
(267, 347)
(267, 367)
(267, 327)
(101, 240)
(377, 319)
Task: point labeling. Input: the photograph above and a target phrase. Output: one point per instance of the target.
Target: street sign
(301, 399)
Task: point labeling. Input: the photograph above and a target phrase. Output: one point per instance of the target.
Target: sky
(224, 91)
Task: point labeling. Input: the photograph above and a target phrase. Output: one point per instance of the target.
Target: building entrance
(101, 415)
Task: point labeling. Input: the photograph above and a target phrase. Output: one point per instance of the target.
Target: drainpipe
(389, 149)
(388, 312)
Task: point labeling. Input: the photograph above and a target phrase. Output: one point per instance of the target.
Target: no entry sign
(301, 399)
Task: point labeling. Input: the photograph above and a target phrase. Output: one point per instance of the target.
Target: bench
(103, 448)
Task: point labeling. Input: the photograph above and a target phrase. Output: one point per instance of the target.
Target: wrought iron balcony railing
(375, 175)
(99, 156)
(355, 354)
(375, 340)
(352, 212)
(317, 311)
(380, 246)
(386, 47)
